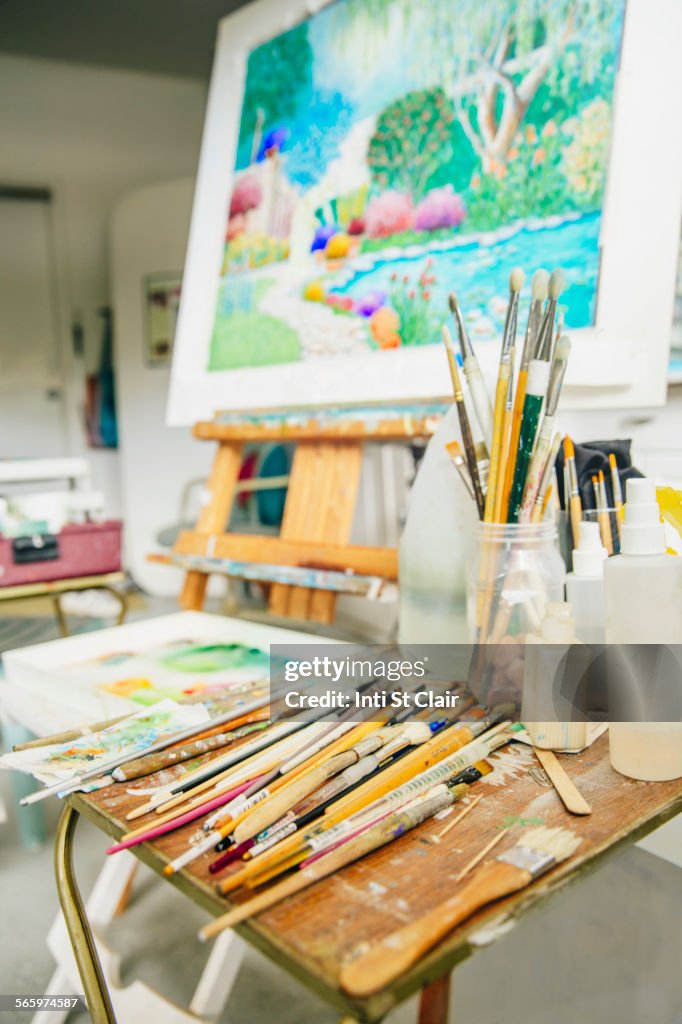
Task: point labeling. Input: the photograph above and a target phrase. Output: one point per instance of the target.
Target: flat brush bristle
(612, 461)
(516, 279)
(558, 843)
(569, 450)
(556, 284)
(452, 302)
(539, 286)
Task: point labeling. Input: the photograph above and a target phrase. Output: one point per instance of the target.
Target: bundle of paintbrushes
(509, 472)
(596, 492)
(252, 800)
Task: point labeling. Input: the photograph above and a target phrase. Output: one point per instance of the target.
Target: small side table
(56, 588)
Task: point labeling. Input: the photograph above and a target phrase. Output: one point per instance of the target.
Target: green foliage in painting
(278, 75)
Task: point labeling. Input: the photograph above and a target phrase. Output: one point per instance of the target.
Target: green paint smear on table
(204, 658)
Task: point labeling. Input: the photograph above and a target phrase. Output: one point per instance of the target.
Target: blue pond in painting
(476, 269)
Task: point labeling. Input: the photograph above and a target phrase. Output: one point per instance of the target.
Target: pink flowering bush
(388, 214)
(440, 208)
(247, 195)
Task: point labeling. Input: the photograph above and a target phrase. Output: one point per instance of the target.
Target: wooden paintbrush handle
(277, 805)
(384, 962)
(470, 453)
(480, 398)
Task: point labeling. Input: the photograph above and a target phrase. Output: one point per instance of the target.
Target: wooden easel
(318, 513)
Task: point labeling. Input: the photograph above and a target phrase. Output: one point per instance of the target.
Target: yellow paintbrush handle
(515, 433)
(498, 426)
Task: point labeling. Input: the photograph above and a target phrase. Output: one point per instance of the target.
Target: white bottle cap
(589, 556)
(558, 625)
(642, 533)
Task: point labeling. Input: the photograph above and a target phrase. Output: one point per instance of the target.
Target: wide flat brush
(472, 372)
(535, 853)
(465, 426)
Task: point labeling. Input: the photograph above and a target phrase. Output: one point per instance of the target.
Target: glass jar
(515, 569)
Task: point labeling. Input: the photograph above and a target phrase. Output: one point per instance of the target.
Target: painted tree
(412, 138)
(490, 57)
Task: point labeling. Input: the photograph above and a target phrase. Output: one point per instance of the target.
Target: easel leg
(434, 1002)
(77, 925)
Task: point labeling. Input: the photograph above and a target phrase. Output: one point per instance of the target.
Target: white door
(32, 414)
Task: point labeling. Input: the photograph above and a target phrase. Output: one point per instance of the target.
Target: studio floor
(606, 951)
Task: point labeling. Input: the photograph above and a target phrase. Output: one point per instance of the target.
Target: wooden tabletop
(310, 934)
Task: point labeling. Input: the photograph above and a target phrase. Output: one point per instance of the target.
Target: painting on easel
(388, 150)
(363, 161)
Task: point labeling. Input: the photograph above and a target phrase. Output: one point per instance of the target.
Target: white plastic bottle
(585, 585)
(550, 682)
(643, 603)
(435, 547)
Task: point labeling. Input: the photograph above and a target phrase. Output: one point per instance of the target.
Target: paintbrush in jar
(603, 517)
(454, 450)
(536, 389)
(538, 513)
(539, 287)
(467, 437)
(501, 395)
(472, 372)
(543, 440)
(572, 491)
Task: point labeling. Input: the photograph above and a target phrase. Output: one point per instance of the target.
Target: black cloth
(590, 457)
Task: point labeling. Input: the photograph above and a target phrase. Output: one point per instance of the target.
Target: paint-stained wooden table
(312, 933)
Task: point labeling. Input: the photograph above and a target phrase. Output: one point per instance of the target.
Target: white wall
(148, 235)
(91, 135)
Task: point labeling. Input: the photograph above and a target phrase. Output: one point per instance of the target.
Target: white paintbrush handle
(480, 398)
(537, 467)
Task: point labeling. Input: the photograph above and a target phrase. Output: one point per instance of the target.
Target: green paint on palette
(206, 658)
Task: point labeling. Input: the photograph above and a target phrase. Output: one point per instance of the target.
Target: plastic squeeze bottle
(585, 585)
(643, 605)
(552, 675)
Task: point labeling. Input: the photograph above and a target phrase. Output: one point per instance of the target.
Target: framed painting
(363, 158)
(161, 302)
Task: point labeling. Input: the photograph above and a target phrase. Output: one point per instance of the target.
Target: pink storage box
(86, 549)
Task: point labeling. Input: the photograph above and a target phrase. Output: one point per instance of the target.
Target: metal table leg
(77, 925)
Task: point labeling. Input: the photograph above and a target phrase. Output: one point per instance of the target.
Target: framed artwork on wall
(161, 303)
(363, 159)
